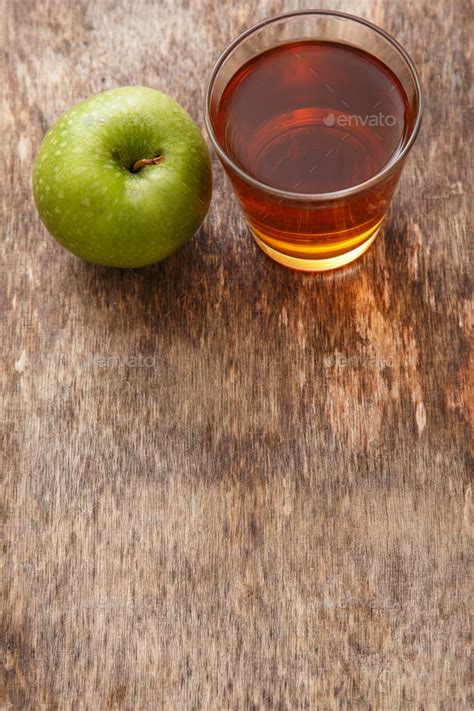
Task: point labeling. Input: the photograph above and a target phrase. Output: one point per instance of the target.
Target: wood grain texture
(228, 485)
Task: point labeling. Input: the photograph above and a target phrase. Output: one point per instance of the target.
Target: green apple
(123, 178)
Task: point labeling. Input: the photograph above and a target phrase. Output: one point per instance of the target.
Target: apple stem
(146, 161)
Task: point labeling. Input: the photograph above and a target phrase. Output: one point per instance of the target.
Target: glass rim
(386, 169)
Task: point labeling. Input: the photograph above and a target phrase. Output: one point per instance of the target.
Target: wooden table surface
(229, 485)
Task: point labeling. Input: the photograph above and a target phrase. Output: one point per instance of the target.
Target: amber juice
(314, 121)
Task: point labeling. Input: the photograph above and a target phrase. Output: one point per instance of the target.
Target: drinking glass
(326, 228)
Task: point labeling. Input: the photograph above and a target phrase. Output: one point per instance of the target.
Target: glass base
(316, 265)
